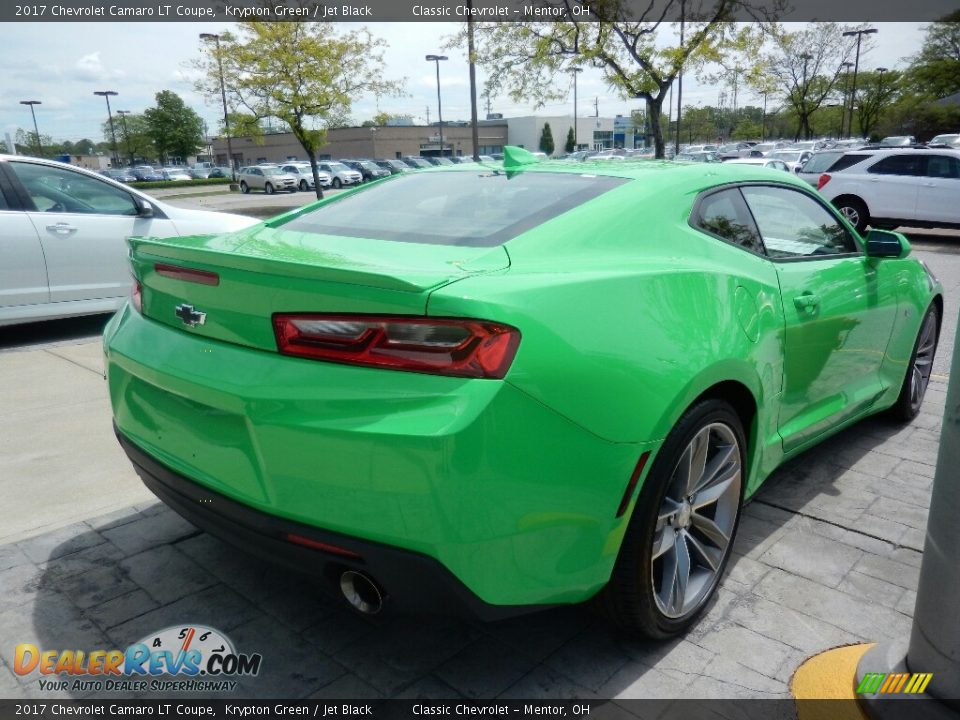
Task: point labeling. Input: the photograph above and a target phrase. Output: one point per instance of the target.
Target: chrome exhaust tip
(361, 592)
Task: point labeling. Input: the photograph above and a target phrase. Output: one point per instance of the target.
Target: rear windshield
(482, 209)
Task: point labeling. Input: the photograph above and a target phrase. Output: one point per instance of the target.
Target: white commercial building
(593, 133)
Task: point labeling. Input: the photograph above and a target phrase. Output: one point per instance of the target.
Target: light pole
(575, 71)
(436, 60)
(126, 133)
(846, 98)
(856, 67)
(36, 132)
(223, 97)
(474, 127)
(113, 136)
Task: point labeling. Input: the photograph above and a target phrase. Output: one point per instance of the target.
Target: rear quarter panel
(628, 314)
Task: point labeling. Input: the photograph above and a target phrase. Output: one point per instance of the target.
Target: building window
(602, 139)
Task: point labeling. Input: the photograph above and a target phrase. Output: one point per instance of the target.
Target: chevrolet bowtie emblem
(189, 315)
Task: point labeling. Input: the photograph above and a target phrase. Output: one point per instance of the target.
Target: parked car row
(298, 175)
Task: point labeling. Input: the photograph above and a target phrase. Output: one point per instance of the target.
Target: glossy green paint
(627, 314)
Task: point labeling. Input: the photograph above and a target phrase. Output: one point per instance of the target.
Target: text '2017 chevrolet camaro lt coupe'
(496, 388)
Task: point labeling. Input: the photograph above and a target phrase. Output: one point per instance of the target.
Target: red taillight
(322, 546)
(824, 179)
(187, 274)
(136, 296)
(440, 346)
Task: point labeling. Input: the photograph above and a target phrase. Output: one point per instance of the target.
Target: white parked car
(340, 174)
(794, 158)
(63, 237)
(889, 188)
(771, 163)
(303, 174)
(173, 173)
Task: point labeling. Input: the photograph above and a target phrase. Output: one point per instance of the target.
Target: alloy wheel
(696, 521)
(923, 361)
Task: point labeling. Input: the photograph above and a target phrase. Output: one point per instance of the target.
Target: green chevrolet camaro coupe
(498, 388)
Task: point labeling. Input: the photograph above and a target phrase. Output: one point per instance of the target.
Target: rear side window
(847, 160)
(480, 209)
(942, 166)
(898, 165)
(725, 215)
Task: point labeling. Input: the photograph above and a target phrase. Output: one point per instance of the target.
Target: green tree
(636, 59)
(133, 138)
(307, 74)
(27, 142)
(875, 93)
(175, 129)
(806, 66)
(546, 139)
(935, 70)
(571, 143)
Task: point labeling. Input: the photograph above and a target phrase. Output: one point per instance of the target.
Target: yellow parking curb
(831, 675)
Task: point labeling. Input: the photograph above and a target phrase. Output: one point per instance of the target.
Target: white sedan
(63, 230)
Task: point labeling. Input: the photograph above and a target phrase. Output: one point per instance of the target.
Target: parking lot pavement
(827, 554)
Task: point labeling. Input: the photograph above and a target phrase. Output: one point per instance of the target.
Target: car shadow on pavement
(821, 519)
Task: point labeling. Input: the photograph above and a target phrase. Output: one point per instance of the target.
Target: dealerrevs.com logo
(191, 658)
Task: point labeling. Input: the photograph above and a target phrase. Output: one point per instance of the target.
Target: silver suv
(889, 188)
(341, 175)
(303, 174)
(268, 178)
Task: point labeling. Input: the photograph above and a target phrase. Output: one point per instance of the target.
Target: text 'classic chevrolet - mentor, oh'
(502, 387)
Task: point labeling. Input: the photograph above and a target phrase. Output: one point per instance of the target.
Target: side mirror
(885, 243)
(144, 208)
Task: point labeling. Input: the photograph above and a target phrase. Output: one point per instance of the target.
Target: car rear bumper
(518, 503)
(411, 582)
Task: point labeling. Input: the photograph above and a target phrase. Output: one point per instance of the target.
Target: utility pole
(683, 8)
(474, 129)
(575, 71)
(226, 115)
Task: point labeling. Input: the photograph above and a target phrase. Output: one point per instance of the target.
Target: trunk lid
(267, 270)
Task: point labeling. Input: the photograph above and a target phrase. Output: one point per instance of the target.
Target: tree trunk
(316, 173)
(654, 106)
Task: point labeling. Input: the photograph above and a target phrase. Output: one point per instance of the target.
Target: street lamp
(126, 133)
(36, 132)
(113, 136)
(575, 71)
(223, 96)
(856, 67)
(436, 59)
(846, 98)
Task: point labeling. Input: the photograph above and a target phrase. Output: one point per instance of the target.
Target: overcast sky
(62, 64)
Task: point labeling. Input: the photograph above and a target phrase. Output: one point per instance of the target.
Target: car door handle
(929, 184)
(807, 301)
(62, 228)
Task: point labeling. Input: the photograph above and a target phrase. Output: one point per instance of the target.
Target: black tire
(268, 189)
(244, 188)
(337, 184)
(914, 387)
(854, 210)
(303, 186)
(632, 599)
